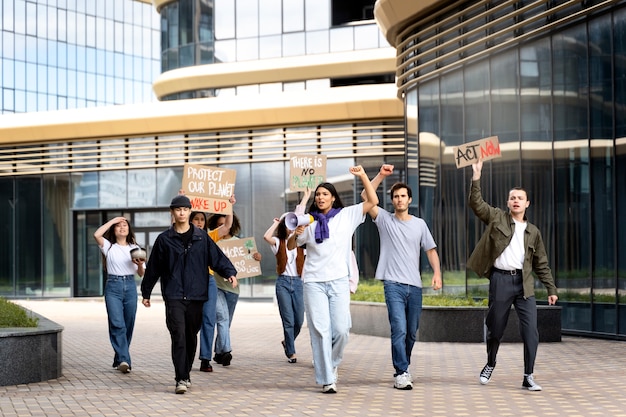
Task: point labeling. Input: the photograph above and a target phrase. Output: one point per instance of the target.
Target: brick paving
(580, 376)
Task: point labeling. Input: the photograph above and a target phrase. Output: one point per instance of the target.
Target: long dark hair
(110, 234)
(234, 229)
(194, 214)
(282, 233)
(333, 191)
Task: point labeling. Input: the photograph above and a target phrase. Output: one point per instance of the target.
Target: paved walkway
(580, 377)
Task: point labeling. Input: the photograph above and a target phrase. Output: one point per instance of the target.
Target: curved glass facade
(65, 54)
(556, 103)
(247, 30)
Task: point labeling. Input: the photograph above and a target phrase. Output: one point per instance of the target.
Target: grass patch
(12, 315)
(373, 292)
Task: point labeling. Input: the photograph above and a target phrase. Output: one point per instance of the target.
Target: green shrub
(12, 315)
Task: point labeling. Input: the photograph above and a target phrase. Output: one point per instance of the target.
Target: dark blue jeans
(404, 307)
(120, 298)
(291, 307)
(207, 332)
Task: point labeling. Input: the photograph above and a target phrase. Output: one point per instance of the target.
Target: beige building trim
(351, 104)
(289, 69)
(393, 16)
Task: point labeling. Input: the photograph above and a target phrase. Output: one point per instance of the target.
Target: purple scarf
(321, 231)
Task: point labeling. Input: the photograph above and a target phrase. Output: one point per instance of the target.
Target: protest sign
(469, 153)
(306, 171)
(209, 188)
(240, 252)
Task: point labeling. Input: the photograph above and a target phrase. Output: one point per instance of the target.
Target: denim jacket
(500, 230)
(184, 271)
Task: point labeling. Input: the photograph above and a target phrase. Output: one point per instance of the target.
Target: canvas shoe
(329, 388)
(530, 384)
(181, 387)
(403, 381)
(485, 374)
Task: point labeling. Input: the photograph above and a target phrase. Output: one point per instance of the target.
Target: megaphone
(292, 220)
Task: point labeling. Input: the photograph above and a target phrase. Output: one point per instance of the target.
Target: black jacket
(184, 272)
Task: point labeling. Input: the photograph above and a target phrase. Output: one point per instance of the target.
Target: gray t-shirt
(400, 245)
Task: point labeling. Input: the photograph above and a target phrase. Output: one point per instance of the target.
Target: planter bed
(31, 354)
(453, 324)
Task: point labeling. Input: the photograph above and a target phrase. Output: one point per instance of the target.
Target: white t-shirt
(331, 259)
(118, 258)
(291, 268)
(401, 242)
(513, 255)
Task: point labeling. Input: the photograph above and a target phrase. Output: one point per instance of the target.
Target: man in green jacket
(509, 251)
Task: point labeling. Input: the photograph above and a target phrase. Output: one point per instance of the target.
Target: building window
(348, 11)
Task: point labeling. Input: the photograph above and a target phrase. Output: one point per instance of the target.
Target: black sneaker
(485, 374)
(205, 365)
(530, 384)
(223, 358)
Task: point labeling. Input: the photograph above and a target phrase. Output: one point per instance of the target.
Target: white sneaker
(403, 381)
(530, 384)
(181, 387)
(329, 388)
(123, 368)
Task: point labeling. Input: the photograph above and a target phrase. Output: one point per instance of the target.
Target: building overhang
(393, 16)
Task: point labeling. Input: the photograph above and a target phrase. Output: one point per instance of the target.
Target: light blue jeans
(291, 309)
(207, 331)
(404, 307)
(327, 306)
(225, 309)
(120, 298)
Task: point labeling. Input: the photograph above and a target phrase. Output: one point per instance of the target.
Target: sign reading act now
(470, 153)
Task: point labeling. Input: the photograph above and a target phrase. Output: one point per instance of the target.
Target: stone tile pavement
(580, 377)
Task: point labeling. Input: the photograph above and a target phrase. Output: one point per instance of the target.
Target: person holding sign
(116, 240)
(326, 274)
(402, 237)
(227, 294)
(289, 263)
(207, 331)
(508, 252)
(180, 258)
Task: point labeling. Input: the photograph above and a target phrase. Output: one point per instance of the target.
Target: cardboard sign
(209, 188)
(469, 153)
(240, 252)
(306, 171)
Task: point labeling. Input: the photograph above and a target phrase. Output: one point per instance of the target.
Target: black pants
(506, 290)
(183, 319)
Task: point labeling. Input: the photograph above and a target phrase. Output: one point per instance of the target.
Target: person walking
(207, 331)
(326, 274)
(402, 237)
(116, 240)
(509, 251)
(180, 258)
(227, 293)
(289, 264)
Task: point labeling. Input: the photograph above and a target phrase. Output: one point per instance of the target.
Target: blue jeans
(207, 332)
(225, 309)
(120, 297)
(327, 306)
(404, 307)
(291, 309)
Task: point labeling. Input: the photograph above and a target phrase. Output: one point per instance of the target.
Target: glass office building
(243, 84)
(547, 78)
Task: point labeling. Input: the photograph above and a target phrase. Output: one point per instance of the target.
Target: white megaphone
(293, 220)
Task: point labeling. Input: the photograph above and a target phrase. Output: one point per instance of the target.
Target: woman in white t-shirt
(116, 240)
(326, 274)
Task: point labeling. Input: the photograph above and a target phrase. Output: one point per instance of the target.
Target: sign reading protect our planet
(209, 188)
(469, 153)
(240, 252)
(306, 171)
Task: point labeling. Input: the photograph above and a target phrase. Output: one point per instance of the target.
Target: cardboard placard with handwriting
(306, 171)
(240, 252)
(209, 188)
(469, 153)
